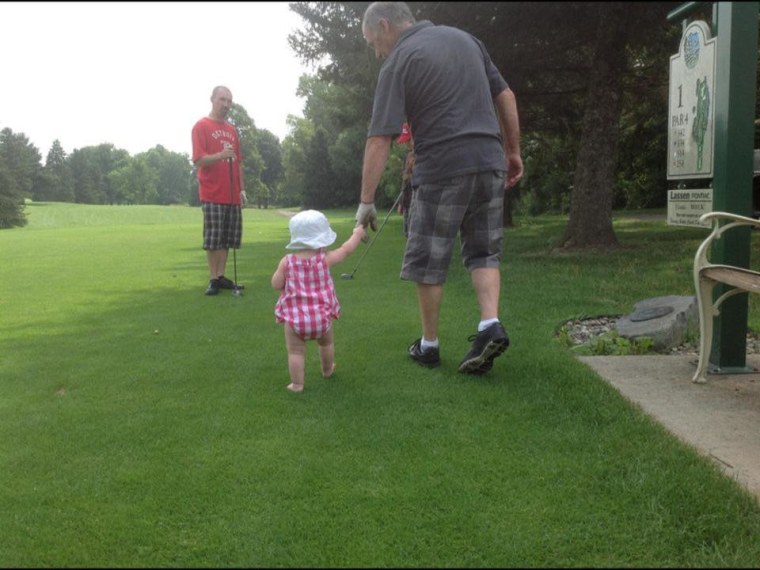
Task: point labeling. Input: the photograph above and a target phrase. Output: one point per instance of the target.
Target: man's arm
(506, 108)
(376, 153)
(209, 159)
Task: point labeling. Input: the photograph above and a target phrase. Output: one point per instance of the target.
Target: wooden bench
(707, 275)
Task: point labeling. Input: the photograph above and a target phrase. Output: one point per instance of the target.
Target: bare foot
(329, 374)
(295, 387)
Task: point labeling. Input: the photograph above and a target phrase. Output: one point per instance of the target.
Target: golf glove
(243, 198)
(366, 215)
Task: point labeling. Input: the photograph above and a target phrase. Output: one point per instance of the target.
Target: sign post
(716, 141)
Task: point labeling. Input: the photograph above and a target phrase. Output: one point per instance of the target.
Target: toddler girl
(307, 303)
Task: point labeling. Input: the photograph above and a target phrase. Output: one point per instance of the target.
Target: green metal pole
(735, 85)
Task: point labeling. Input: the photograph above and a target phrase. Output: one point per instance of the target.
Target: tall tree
(58, 185)
(296, 179)
(271, 154)
(90, 167)
(590, 222)
(11, 202)
(172, 170)
(570, 64)
(318, 193)
(134, 182)
(332, 109)
(20, 165)
(253, 165)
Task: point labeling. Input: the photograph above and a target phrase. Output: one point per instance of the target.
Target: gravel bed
(582, 330)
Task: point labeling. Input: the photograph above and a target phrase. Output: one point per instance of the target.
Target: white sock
(483, 325)
(429, 343)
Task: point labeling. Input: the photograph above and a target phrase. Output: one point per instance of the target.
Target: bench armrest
(740, 220)
(735, 220)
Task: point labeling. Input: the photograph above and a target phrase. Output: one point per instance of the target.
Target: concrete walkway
(721, 419)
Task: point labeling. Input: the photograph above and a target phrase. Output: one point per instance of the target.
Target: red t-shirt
(211, 137)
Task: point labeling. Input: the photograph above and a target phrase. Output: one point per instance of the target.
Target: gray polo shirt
(441, 79)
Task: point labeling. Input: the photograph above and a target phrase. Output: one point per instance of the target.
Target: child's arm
(335, 256)
(278, 279)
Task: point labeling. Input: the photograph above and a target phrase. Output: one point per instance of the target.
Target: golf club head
(346, 275)
(237, 291)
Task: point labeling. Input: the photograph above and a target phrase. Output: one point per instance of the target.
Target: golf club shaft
(380, 229)
(234, 251)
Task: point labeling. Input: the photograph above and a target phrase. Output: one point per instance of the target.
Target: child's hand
(362, 231)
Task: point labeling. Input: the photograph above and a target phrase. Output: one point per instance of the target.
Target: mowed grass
(145, 424)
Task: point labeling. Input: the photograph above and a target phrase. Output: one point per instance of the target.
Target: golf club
(380, 229)
(236, 288)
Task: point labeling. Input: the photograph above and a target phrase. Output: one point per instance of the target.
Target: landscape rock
(667, 330)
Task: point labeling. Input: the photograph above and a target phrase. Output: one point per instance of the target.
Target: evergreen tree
(19, 166)
(58, 183)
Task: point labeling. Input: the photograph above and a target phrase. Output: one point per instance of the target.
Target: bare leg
(217, 260)
(296, 359)
(327, 353)
(487, 284)
(429, 299)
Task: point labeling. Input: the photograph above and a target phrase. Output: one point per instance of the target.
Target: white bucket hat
(310, 230)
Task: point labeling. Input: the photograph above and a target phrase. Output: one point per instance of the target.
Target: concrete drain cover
(650, 313)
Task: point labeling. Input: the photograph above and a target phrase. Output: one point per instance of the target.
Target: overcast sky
(138, 74)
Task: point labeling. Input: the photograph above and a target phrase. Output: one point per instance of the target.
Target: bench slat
(745, 279)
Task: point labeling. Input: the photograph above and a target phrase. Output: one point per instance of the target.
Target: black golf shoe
(213, 287)
(427, 357)
(225, 283)
(486, 345)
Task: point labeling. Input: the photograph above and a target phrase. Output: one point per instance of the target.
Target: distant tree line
(104, 174)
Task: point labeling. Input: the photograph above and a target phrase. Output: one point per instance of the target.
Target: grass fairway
(145, 424)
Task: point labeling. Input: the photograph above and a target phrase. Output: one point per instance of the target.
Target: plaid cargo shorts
(222, 226)
(470, 205)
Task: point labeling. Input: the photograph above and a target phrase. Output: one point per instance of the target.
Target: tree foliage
(270, 151)
(294, 159)
(134, 182)
(172, 172)
(589, 79)
(253, 164)
(56, 184)
(19, 167)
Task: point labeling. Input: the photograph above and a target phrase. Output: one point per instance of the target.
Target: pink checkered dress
(308, 302)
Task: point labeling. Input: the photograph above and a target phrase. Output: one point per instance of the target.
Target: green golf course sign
(691, 105)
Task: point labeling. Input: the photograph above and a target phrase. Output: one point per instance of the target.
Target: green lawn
(145, 424)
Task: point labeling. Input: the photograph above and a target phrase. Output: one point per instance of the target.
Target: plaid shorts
(222, 226)
(471, 206)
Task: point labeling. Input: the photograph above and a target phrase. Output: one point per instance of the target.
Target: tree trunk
(590, 222)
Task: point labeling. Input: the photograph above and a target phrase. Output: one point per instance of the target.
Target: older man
(443, 81)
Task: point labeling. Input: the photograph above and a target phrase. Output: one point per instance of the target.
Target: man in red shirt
(216, 155)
